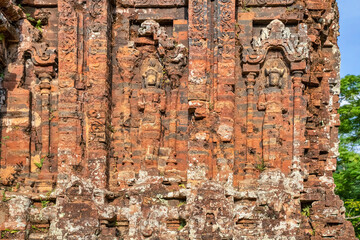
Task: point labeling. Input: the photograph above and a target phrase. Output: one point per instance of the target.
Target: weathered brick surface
(169, 119)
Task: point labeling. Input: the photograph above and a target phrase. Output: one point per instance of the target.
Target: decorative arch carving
(277, 36)
(42, 54)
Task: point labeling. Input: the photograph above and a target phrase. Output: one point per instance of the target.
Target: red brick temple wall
(169, 119)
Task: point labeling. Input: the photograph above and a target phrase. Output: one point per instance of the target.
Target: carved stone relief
(276, 34)
(152, 105)
(274, 102)
(170, 119)
(160, 63)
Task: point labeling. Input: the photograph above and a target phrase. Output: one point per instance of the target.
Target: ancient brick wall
(169, 119)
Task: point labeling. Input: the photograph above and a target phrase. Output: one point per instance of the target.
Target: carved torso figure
(151, 103)
(271, 100)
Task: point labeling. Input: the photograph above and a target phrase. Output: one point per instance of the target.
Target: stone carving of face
(151, 73)
(275, 75)
(150, 78)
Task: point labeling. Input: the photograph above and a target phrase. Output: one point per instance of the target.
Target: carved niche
(273, 66)
(273, 101)
(43, 61)
(151, 103)
(150, 70)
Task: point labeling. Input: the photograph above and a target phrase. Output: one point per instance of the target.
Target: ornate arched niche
(148, 82)
(272, 69)
(273, 122)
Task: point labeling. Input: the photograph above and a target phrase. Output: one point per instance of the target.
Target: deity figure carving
(272, 101)
(152, 103)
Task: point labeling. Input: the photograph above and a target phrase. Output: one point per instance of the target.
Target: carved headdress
(276, 69)
(151, 70)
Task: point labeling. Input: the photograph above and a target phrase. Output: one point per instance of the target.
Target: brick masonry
(169, 119)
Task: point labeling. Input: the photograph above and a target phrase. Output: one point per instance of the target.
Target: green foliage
(12, 231)
(4, 198)
(261, 165)
(51, 117)
(182, 224)
(350, 112)
(40, 164)
(353, 214)
(8, 231)
(44, 203)
(36, 23)
(2, 36)
(28, 17)
(182, 203)
(36, 229)
(306, 211)
(347, 175)
(4, 139)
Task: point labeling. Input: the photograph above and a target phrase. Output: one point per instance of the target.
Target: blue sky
(349, 40)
